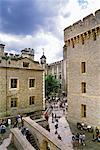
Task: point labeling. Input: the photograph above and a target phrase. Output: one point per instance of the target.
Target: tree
(51, 85)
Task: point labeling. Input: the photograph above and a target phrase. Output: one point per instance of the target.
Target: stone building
(57, 70)
(82, 52)
(21, 83)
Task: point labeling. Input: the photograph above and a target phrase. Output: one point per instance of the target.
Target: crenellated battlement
(89, 23)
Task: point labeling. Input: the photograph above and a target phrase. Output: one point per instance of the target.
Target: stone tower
(82, 52)
(28, 53)
(43, 60)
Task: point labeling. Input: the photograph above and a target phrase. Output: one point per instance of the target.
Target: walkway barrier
(45, 138)
(19, 141)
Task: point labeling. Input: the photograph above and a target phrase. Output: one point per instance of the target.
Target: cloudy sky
(39, 24)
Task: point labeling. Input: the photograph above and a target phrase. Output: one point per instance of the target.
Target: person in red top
(46, 116)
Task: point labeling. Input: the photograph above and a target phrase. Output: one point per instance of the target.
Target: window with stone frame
(31, 100)
(14, 83)
(31, 83)
(25, 64)
(83, 86)
(14, 102)
(83, 110)
(83, 67)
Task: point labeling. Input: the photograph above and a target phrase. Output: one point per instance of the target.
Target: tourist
(63, 111)
(83, 139)
(51, 107)
(80, 139)
(59, 137)
(56, 131)
(9, 122)
(77, 139)
(2, 129)
(46, 116)
(23, 130)
(98, 138)
(52, 117)
(55, 116)
(97, 131)
(73, 139)
(56, 125)
(19, 121)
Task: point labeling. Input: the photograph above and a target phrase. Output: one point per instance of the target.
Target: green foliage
(52, 85)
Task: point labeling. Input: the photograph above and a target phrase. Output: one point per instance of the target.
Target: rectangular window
(13, 102)
(14, 83)
(83, 67)
(83, 87)
(83, 110)
(31, 83)
(31, 100)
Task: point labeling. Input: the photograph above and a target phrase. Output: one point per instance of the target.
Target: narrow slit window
(83, 67)
(83, 110)
(83, 87)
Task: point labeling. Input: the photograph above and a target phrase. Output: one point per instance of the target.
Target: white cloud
(52, 42)
(52, 46)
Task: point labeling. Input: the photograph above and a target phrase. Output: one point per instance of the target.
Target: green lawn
(90, 145)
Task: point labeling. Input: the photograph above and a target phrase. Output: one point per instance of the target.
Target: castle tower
(2, 49)
(28, 52)
(82, 57)
(43, 60)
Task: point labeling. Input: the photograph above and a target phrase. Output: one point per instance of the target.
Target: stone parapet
(19, 141)
(82, 26)
(44, 137)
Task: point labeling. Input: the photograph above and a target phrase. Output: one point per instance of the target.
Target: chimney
(2, 49)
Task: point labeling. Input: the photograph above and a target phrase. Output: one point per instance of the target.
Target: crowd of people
(4, 123)
(78, 138)
(55, 118)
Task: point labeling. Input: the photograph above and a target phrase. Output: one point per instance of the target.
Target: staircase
(33, 142)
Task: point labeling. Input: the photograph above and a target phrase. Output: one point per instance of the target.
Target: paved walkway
(63, 127)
